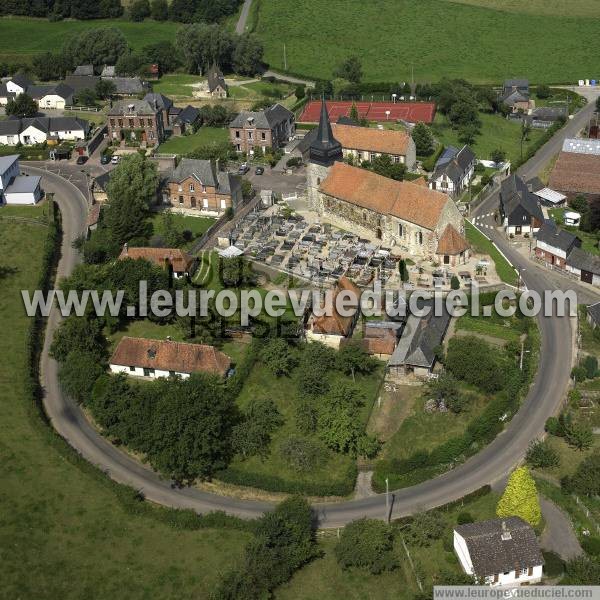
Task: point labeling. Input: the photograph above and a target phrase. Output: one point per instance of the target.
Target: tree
(253, 435)
(579, 435)
(22, 106)
(586, 479)
(277, 357)
(159, 10)
(86, 97)
(131, 190)
(338, 423)
(498, 155)
(543, 92)
(172, 235)
(368, 544)
(49, 66)
(349, 69)
(425, 528)
(203, 45)
(236, 272)
(130, 64)
(182, 11)
(598, 104)
(383, 165)
(583, 570)
(301, 454)
(540, 455)
(454, 282)
(590, 364)
(78, 374)
(139, 10)
(351, 359)
(299, 92)
(468, 132)
(423, 138)
(445, 389)
(191, 430)
(80, 335)
(105, 89)
(315, 360)
(248, 55)
(464, 114)
(100, 46)
(164, 54)
(404, 276)
(520, 498)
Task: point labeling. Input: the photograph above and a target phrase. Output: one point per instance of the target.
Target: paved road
(558, 537)
(491, 464)
(289, 78)
(241, 24)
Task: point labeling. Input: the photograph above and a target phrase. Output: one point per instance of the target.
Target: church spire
(325, 149)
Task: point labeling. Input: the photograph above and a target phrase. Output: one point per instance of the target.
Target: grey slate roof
(188, 115)
(514, 193)
(45, 124)
(21, 80)
(203, 170)
(512, 97)
(81, 70)
(10, 127)
(159, 100)
(7, 161)
(128, 85)
(454, 167)
(23, 184)
(495, 548)
(593, 311)
(142, 107)
(264, 119)
(108, 71)
(420, 338)
(579, 259)
(548, 113)
(4, 93)
(552, 235)
(215, 78)
(59, 89)
(516, 83)
(101, 181)
(81, 82)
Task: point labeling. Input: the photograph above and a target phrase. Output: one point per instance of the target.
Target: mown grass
(570, 457)
(494, 326)
(559, 8)
(496, 133)
(22, 38)
(436, 38)
(64, 533)
(483, 245)
(188, 143)
(176, 85)
(197, 225)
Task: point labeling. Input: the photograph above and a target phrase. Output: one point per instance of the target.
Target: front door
(193, 202)
(518, 230)
(446, 259)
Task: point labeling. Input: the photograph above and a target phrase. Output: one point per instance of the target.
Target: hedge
(429, 162)
(273, 483)
(129, 499)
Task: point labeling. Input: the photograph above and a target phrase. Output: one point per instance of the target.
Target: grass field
(437, 38)
(176, 85)
(188, 143)
(197, 225)
(25, 37)
(496, 133)
(559, 8)
(64, 534)
(483, 245)
(494, 326)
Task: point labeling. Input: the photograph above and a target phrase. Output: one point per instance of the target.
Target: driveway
(558, 537)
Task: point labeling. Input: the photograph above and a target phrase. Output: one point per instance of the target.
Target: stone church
(406, 216)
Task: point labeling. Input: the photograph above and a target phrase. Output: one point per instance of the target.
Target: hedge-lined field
(25, 37)
(437, 37)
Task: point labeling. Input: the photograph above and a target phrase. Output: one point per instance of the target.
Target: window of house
(396, 159)
(120, 122)
(523, 571)
(171, 373)
(249, 135)
(150, 123)
(400, 230)
(372, 156)
(152, 135)
(444, 185)
(419, 238)
(203, 189)
(131, 368)
(131, 123)
(238, 147)
(364, 215)
(180, 199)
(237, 134)
(192, 187)
(263, 135)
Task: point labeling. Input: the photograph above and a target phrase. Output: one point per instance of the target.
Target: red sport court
(412, 112)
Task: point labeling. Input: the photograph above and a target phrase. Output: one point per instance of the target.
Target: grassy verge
(493, 326)
(197, 225)
(481, 244)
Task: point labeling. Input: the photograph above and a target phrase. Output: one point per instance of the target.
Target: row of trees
(63, 9)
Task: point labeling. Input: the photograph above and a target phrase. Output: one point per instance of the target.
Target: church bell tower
(323, 152)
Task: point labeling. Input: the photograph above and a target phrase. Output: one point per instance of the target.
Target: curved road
(491, 464)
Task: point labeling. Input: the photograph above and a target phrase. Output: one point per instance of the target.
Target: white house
(12, 87)
(37, 130)
(453, 171)
(501, 552)
(163, 358)
(52, 96)
(16, 188)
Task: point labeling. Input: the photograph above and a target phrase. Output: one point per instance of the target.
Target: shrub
(541, 455)
(464, 517)
(302, 454)
(579, 374)
(590, 364)
(367, 544)
(454, 282)
(425, 528)
(591, 545)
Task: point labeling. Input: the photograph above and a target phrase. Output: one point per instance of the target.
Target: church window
(419, 238)
(400, 230)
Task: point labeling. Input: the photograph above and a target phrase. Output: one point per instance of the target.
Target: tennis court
(412, 112)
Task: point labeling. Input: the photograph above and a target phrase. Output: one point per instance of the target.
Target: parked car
(115, 159)
(104, 159)
(81, 160)
(259, 170)
(244, 168)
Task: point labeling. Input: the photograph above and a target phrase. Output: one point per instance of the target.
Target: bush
(579, 374)
(454, 283)
(591, 545)
(425, 528)
(554, 566)
(367, 544)
(464, 517)
(541, 455)
(590, 364)
(302, 454)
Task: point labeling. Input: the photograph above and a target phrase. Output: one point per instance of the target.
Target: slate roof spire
(325, 149)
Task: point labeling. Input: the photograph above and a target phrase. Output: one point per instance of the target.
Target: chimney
(131, 107)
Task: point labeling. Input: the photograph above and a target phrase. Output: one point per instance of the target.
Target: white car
(115, 159)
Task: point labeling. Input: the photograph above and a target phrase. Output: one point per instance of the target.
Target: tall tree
(99, 46)
(423, 138)
(139, 10)
(520, 498)
(131, 191)
(248, 55)
(349, 69)
(159, 10)
(22, 106)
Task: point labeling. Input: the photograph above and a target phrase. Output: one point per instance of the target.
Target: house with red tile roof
(163, 358)
(173, 258)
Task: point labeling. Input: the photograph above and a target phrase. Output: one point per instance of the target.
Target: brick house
(269, 128)
(217, 88)
(161, 103)
(553, 245)
(197, 184)
(135, 121)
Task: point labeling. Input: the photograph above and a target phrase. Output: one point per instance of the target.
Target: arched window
(419, 238)
(400, 230)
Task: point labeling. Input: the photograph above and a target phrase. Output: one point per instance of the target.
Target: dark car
(104, 159)
(259, 170)
(81, 160)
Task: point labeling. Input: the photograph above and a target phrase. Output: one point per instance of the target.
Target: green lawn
(64, 532)
(494, 326)
(284, 392)
(437, 38)
(481, 244)
(22, 37)
(496, 133)
(569, 457)
(559, 8)
(197, 225)
(37, 211)
(589, 240)
(188, 143)
(176, 85)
